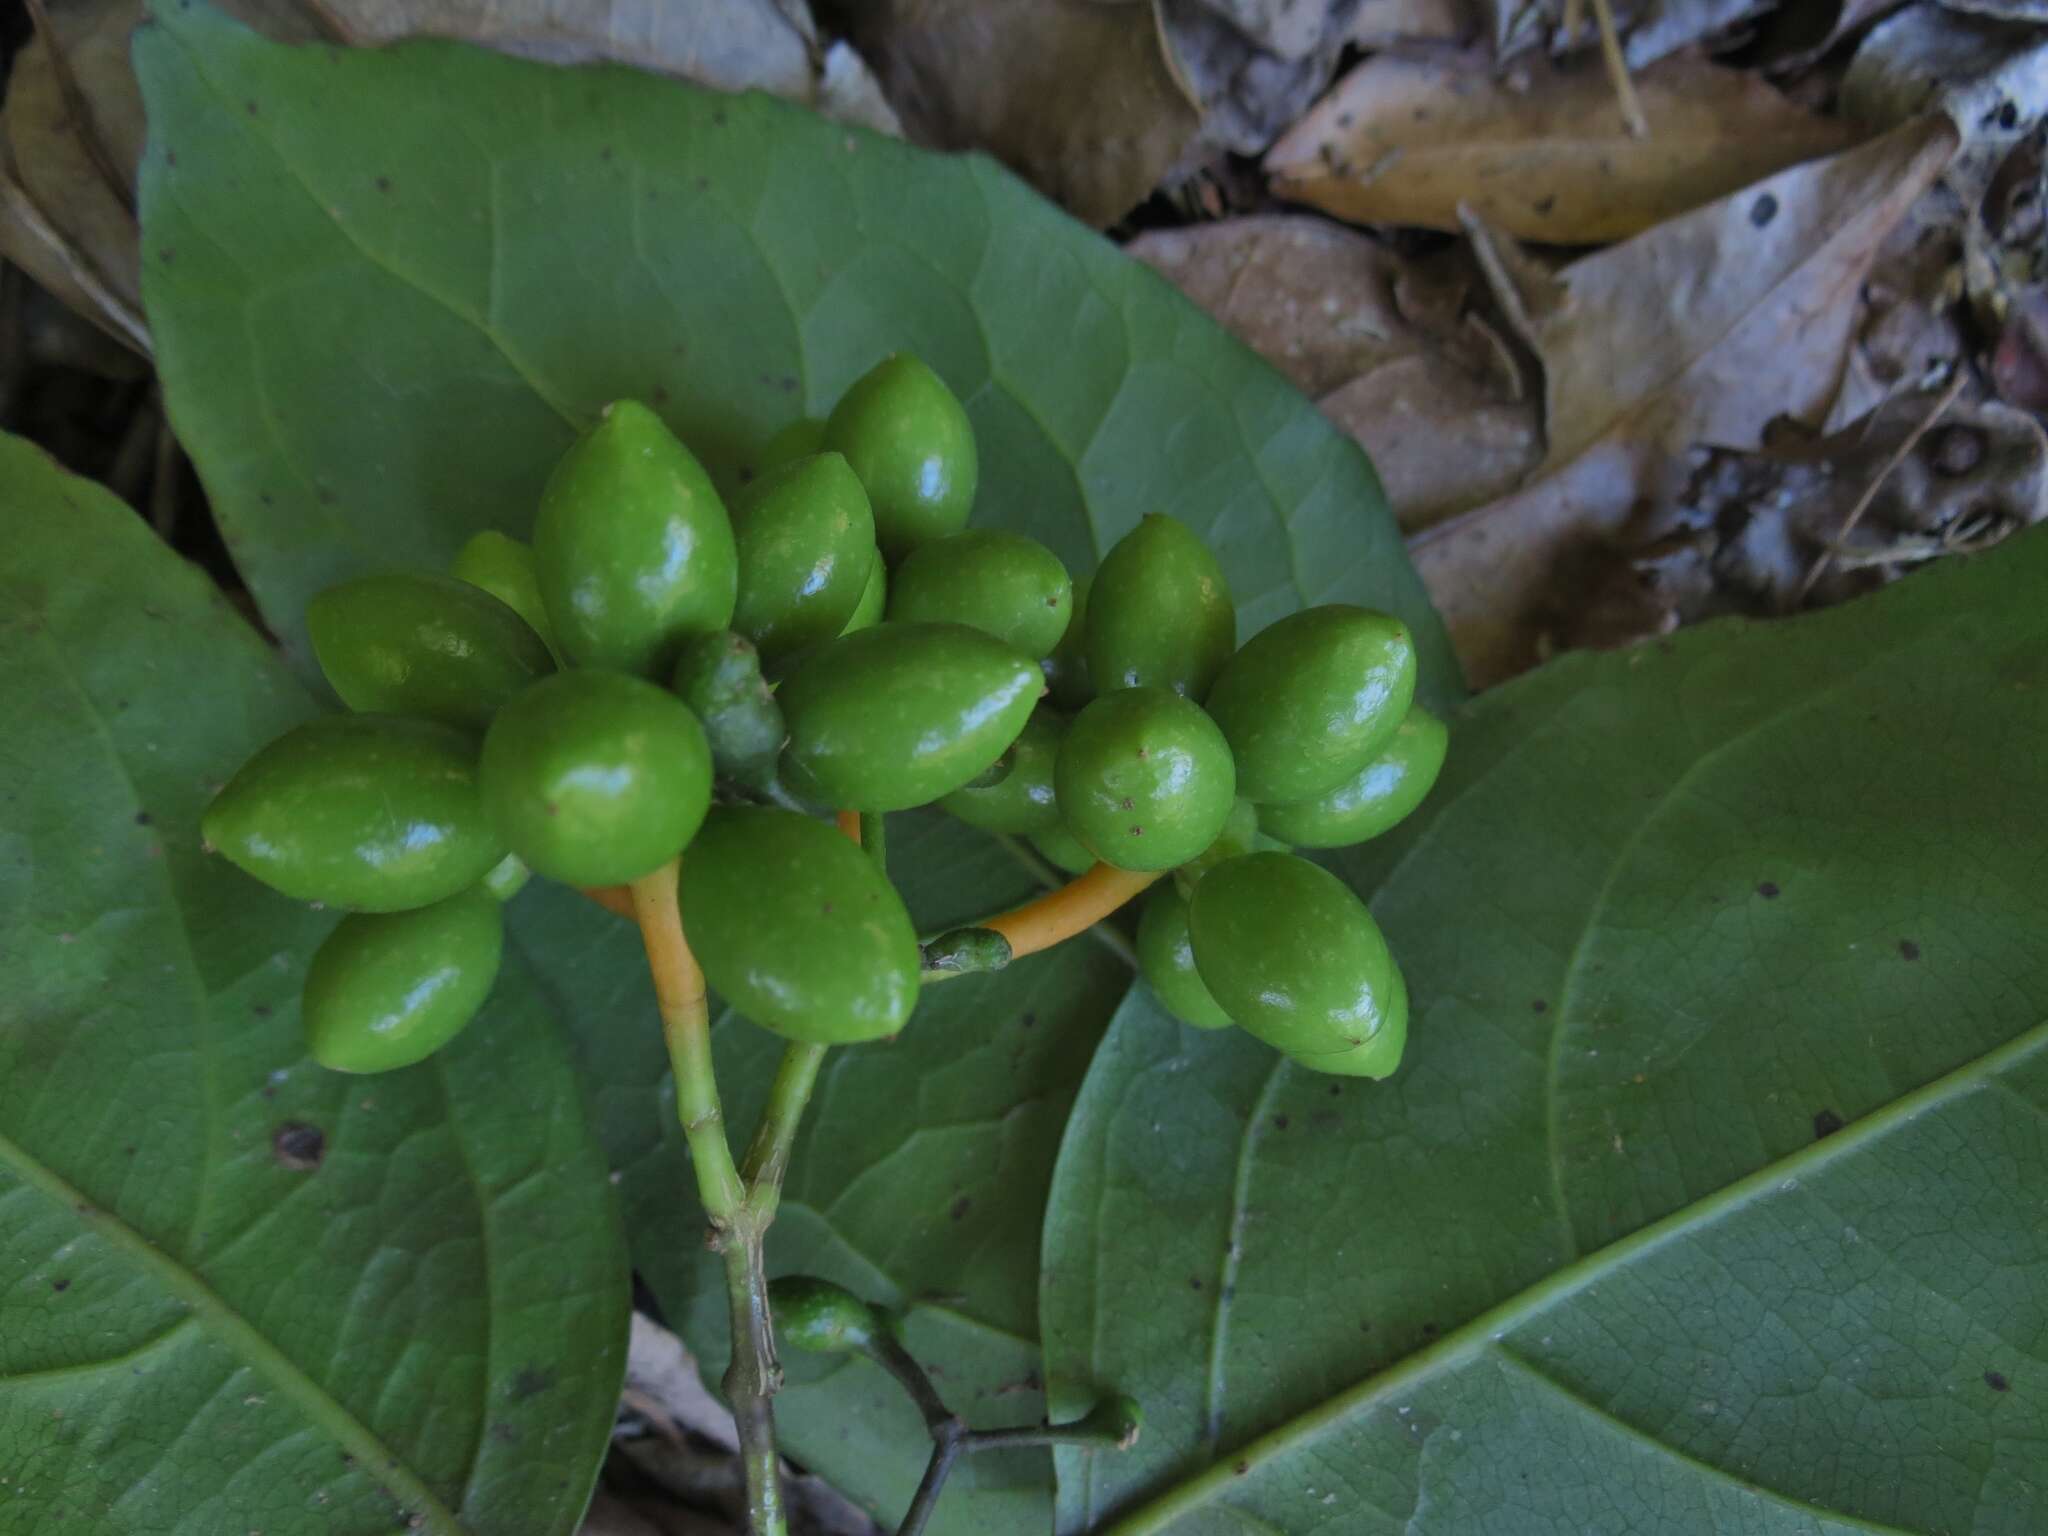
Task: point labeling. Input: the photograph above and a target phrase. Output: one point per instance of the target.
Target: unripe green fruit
(633, 549)
(1292, 955)
(821, 1318)
(908, 439)
(1021, 800)
(1144, 778)
(719, 678)
(799, 440)
(805, 540)
(1240, 834)
(1373, 799)
(899, 715)
(596, 778)
(1000, 583)
(796, 927)
(503, 567)
(407, 643)
(1168, 960)
(506, 878)
(370, 812)
(1062, 850)
(1380, 1055)
(1159, 613)
(1066, 669)
(390, 989)
(1314, 698)
(874, 597)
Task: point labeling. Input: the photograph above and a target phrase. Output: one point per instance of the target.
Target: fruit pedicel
(666, 673)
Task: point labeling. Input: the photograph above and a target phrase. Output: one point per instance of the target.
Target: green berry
(896, 716)
(506, 878)
(1313, 699)
(821, 1318)
(1373, 799)
(1168, 960)
(1159, 612)
(719, 677)
(805, 539)
(1144, 778)
(1062, 850)
(799, 440)
(370, 812)
(1066, 668)
(406, 643)
(908, 439)
(596, 778)
(1240, 834)
(1022, 799)
(797, 928)
(1292, 955)
(874, 597)
(633, 548)
(389, 989)
(503, 567)
(1001, 583)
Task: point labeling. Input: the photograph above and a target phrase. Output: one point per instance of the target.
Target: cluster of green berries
(666, 668)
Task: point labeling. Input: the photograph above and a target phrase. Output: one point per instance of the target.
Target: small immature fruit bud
(1022, 799)
(963, 950)
(719, 677)
(821, 1318)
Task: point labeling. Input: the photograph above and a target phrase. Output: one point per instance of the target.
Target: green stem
(945, 1451)
(874, 839)
(1041, 1434)
(753, 1377)
(768, 1156)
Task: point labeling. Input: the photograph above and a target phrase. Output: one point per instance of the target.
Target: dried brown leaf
(1651, 29)
(1076, 97)
(1390, 23)
(1701, 330)
(1542, 151)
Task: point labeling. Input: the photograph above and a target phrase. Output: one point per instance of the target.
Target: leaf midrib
(1477, 1335)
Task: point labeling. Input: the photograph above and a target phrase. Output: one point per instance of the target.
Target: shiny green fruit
(719, 677)
(874, 597)
(796, 927)
(633, 548)
(506, 878)
(799, 440)
(1373, 799)
(1380, 1055)
(1292, 955)
(1240, 834)
(1159, 612)
(407, 643)
(1144, 778)
(821, 1318)
(1066, 668)
(902, 714)
(806, 540)
(908, 439)
(390, 989)
(1313, 699)
(1062, 850)
(503, 567)
(1021, 800)
(370, 812)
(1168, 960)
(596, 778)
(1001, 583)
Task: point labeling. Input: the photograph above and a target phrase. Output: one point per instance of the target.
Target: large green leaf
(385, 290)
(1710, 1195)
(239, 1292)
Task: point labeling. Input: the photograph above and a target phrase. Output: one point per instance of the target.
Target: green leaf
(237, 1291)
(387, 287)
(1709, 1196)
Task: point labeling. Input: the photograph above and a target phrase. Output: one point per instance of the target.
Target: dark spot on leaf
(383, 183)
(1336, 1089)
(960, 1208)
(262, 1010)
(143, 818)
(1137, 831)
(163, 254)
(605, 154)
(1194, 1282)
(1280, 1122)
(1431, 1330)
(298, 1146)
(660, 395)
(252, 108)
(1539, 1006)
(60, 1285)
(1768, 889)
(554, 809)
(1826, 1122)
(1908, 950)
(825, 908)
(1241, 1468)
(531, 1382)
(1996, 1381)
(1029, 1021)
(505, 1434)
(718, 117)
(327, 497)
(1763, 210)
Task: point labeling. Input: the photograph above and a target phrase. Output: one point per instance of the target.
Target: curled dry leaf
(1253, 65)
(1075, 96)
(1701, 330)
(1393, 354)
(1541, 151)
